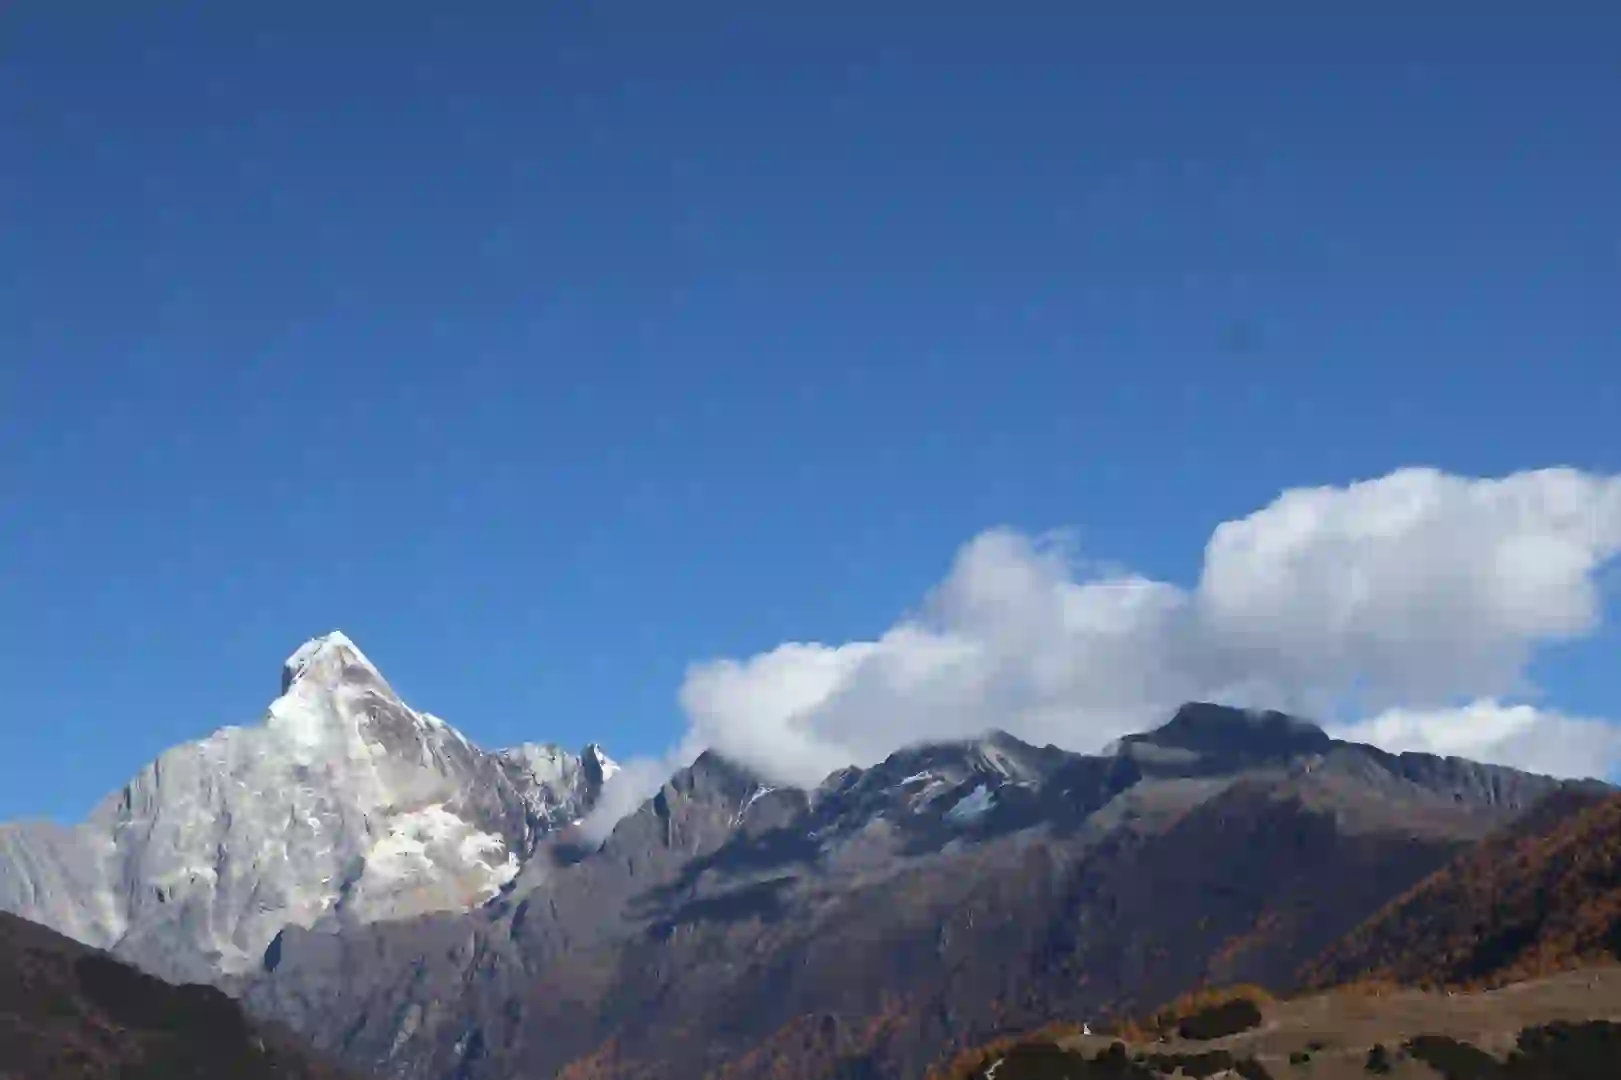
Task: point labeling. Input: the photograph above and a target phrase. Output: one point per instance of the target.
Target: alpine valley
(418, 908)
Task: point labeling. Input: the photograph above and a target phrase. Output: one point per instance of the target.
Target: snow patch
(755, 796)
(928, 793)
(973, 806)
(434, 845)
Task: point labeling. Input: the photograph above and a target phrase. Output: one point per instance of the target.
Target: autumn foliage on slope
(1206, 1013)
(969, 1063)
(1209, 1012)
(1541, 896)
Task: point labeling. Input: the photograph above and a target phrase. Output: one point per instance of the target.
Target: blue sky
(552, 349)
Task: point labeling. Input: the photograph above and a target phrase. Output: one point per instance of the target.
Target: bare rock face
(343, 806)
(56, 875)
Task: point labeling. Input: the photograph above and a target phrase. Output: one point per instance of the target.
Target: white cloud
(1418, 585)
(1407, 593)
(632, 784)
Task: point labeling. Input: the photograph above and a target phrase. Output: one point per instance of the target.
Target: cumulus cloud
(1419, 585)
(1008, 640)
(1395, 598)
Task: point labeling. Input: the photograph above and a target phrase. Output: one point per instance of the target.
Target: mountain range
(424, 909)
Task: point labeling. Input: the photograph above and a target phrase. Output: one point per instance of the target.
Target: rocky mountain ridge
(729, 928)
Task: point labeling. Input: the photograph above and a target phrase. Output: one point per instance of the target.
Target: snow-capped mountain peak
(344, 804)
(326, 660)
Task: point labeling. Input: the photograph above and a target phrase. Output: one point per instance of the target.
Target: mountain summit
(343, 806)
(327, 660)
(1234, 734)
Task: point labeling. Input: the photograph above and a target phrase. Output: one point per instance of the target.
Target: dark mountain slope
(1539, 896)
(1236, 890)
(68, 1012)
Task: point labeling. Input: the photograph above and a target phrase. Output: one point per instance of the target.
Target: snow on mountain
(344, 805)
(976, 804)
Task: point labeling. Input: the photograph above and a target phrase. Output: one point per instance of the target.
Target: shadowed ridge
(68, 1012)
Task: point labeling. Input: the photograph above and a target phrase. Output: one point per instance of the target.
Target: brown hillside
(72, 1013)
(1538, 897)
(1558, 1028)
(1541, 896)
